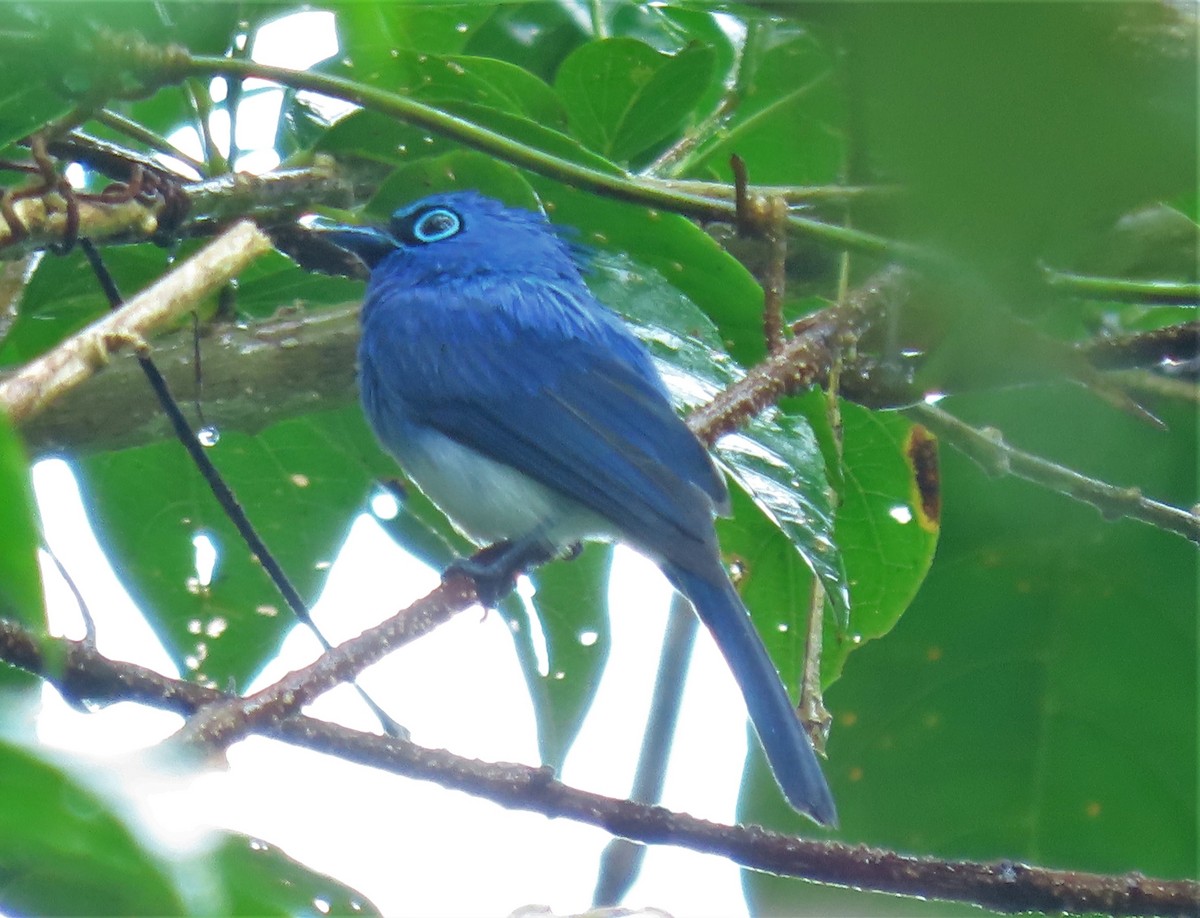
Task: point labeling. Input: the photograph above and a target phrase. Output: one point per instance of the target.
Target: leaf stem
(1185, 293)
(142, 134)
(620, 186)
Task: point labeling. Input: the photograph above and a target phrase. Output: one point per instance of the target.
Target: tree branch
(255, 375)
(157, 65)
(40, 382)
(81, 672)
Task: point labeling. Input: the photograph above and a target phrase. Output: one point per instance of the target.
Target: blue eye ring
(435, 224)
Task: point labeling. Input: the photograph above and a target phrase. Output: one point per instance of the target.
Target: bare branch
(234, 717)
(81, 672)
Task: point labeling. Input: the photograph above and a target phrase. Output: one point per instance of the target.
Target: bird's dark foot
(494, 570)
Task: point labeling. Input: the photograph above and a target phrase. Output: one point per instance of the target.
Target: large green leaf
(63, 296)
(787, 116)
(1037, 702)
(774, 458)
(535, 35)
(368, 32)
(564, 672)
(68, 848)
(887, 524)
(623, 96)
(452, 80)
(301, 482)
(676, 249)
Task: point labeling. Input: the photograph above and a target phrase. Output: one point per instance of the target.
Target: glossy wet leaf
(371, 29)
(775, 459)
(261, 879)
(677, 249)
(1037, 698)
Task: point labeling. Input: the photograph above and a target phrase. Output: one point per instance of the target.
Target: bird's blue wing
(530, 375)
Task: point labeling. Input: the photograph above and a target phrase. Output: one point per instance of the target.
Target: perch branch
(234, 717)
(81, 672)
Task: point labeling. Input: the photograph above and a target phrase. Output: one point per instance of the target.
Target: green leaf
(571, 605)
(887, 525)
(788, 116)
(273, 281)
(64, 848)
(623, 97)
(63, 296)
(370, 31)
(300, 482)
(776, 459)
(1038, 699)
(20, 579)
(457, 171)
(449, 81)
(534, 35)
(677, 250)
(25, 107)
(260, 879)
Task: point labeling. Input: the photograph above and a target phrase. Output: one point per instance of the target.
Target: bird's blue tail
(775, 720)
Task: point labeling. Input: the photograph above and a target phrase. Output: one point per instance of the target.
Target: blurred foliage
(1028, 696)
(73, 845)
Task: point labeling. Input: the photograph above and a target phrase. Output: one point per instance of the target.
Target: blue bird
(532, 416)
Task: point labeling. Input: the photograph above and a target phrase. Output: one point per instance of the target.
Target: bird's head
(462, 232)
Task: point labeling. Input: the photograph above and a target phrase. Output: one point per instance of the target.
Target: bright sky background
(411, 847)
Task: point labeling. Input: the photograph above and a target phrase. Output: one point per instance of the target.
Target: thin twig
(804, 359)
(1177, 343)
(81, 672)
(775, 282)
(792, 194)
(988, 449)
(1150, 383)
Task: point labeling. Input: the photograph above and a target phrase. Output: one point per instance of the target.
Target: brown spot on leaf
(922, 455)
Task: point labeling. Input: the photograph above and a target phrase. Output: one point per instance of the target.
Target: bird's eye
(436, 225)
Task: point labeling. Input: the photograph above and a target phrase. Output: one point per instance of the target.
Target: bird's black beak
(371, 245)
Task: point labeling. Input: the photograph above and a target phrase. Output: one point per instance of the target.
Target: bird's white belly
(489, 501)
